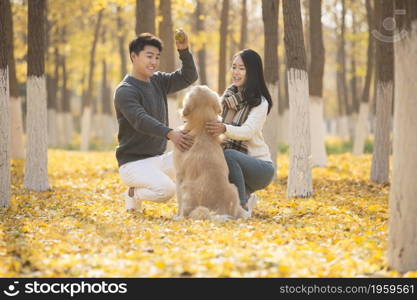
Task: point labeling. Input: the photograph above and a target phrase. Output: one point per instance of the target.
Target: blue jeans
(247, 173)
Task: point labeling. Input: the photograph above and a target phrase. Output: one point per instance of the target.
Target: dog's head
(201, 98)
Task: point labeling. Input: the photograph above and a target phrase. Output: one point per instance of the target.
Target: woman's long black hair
(255, 86)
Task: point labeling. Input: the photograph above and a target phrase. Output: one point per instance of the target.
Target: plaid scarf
(235, 112)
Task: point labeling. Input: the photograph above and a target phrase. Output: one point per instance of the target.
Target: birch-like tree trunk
(224, 21)
(166, 33)
(68, 127)
(270, 11)
(402, 235)
(52, 103)
(299, 177)
(17, 149)
(201, 53)
(36, 167)
(121, 43)
(361, 132)
(4, 109)
(107, 120)
(145, 16)
(384, 93)
(244, 25)
(284, 110)
(87, 103)
(354, 99)
(318, 149)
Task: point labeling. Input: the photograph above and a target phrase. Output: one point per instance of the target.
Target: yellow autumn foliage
(80, 229)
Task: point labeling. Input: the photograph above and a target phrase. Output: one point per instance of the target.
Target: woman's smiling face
(238, 72)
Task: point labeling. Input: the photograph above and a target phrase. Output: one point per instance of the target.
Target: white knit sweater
(251, 132)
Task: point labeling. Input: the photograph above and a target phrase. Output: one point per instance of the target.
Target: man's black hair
(144, 39)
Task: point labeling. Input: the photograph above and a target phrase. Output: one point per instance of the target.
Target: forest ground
(80, 228)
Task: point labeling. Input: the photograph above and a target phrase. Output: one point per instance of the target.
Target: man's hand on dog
(215, 128)
(181, 139)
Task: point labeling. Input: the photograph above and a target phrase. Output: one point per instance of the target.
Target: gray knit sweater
(141, 110)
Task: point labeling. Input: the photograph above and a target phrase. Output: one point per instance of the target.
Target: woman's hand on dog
(181, 139)
(215, 128)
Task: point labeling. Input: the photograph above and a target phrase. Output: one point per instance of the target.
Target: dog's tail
(203, 213)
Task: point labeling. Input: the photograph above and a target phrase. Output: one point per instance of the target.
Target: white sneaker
(252, 202)
(131, 203)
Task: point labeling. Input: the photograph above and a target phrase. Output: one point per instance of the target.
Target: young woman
(246, 104)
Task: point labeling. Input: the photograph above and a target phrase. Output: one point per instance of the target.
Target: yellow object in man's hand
(179, 35)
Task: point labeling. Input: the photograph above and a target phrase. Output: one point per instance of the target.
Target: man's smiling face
(146, 62)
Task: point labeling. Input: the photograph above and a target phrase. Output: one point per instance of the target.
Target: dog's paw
(221, 218)
(177, 218)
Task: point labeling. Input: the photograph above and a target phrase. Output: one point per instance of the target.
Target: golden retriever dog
(203, 187)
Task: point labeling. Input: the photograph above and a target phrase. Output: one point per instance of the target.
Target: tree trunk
(36, 167)
(166, 33)
(16, 122)
(342, 92)
(299, 178)
(68, 127)
(384, 94)
(52, 102)
(145, 16)
(354, 102)
(283, 110)
(316, 85)
(107, 122)
(270, 19)
(362, 131)
(201, 53)
(402, 242)
(244, 26)
(5, 180)
(87, 109)
(122, 46)
(222, 49)
(343, 59)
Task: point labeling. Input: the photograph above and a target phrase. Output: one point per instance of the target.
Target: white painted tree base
(5, 181)
(52, 128)
(283, 127)
(382, 142)
(402, 235)
(352, 120)
(97, 126)
(68, 128)
(299, 177)
(343, 127)
(36, 167)
(60, 137)
(270, 130)
(333, 127)
(85, 129)
(17, 147)
(317, 130)
(361, 130)
(109, 135)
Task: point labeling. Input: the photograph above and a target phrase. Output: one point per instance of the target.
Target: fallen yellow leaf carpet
(80, 228)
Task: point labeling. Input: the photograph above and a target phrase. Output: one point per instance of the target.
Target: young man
(141, 108)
